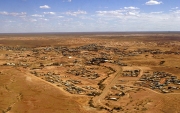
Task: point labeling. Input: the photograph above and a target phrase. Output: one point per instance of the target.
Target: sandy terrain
(89, 73)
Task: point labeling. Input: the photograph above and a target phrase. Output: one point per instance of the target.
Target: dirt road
(115, 76)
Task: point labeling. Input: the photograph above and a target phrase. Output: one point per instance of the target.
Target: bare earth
(90, 73)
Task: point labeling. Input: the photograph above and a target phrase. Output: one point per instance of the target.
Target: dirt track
(22, 91)
(115, 76)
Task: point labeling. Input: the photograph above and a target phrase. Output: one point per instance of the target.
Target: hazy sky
(89, 15)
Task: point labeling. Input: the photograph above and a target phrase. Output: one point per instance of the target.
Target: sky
(29, 16)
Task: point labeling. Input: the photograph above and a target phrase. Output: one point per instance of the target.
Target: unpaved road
(114, 78)
(97, 99)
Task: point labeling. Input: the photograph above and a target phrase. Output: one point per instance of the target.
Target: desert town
(111, 75)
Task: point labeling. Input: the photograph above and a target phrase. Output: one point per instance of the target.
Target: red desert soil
(22, 93)
(58, 73)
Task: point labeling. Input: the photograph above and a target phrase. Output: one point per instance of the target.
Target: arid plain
(90, 73)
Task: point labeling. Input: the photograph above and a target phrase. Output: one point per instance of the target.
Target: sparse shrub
(107, 104)
(161, 62)
(117, 108)
(144, 109)
(91, 103)
(101, 86)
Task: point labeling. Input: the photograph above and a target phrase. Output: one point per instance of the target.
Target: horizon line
(104, 32)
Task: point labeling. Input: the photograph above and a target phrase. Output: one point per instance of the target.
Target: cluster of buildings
(50, 77)
(84, 73)
(69, 85)
(131, 73)
(115, 96)
(73, 89)
(162, 81)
